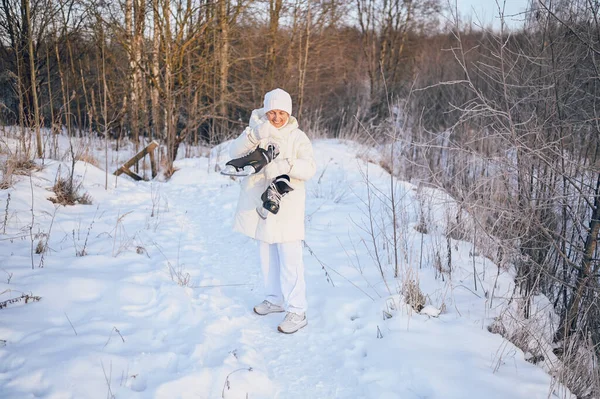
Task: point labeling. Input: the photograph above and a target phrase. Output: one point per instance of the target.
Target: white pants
(283, 273)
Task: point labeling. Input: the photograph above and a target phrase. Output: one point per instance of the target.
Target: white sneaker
(292, 323)
(266, 307)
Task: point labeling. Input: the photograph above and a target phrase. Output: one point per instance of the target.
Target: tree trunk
(303, 61)
(169, 106)
(132, 89)
(271, 57)
(137, 38)
(155, 132)
(569, 324)
(223, 22)
(36, 111)
(25, 58)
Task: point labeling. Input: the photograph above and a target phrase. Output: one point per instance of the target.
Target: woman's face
(278, 118)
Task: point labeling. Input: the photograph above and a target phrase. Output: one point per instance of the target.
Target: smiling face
(278, 118)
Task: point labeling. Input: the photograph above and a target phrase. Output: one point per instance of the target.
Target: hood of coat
(258, 116)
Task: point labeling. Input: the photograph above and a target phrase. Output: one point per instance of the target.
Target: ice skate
(251, 163)
(271, 198)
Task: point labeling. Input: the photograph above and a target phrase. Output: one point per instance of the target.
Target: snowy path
(228, 334)
(117, 323)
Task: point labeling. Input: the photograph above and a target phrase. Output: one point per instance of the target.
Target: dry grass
(16, 166)
(580, 369)
(67, 193)
(6, 181)
(87, 156)
(413, 294)
(40, 247)
(22, 166)
(25, 298)
(163, 164)
(386, 165)
(576, 365)
(519, 337)
(169, 171)
(456, 226)
(438, 265)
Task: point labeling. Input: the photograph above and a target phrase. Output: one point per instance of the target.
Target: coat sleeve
(243, 144)
(304, 165)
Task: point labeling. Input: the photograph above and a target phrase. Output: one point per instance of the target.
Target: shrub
(15, 166)
(87, 156)
(413, 294)
(67, 193)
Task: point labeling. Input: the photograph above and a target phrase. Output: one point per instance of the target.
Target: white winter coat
(296, 160)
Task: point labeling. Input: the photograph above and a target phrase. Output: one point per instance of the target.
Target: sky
(486, 11)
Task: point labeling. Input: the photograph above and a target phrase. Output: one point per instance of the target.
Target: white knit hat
(278, 99)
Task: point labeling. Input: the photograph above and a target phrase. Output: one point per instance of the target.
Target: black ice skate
(251, 163)
(271, 198)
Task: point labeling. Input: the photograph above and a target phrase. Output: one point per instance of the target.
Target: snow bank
(160, 305)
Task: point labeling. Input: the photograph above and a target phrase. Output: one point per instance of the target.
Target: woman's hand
(263, 131)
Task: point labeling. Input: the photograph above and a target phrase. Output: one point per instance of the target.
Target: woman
(280, 235)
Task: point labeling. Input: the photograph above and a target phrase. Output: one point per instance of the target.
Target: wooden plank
(149, 149)
(153, 164)
(129, 173)
(141, 154)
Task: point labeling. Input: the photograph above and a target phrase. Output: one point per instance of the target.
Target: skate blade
(262, 212)
(229, 170)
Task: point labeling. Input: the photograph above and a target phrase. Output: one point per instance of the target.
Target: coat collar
(258, 116)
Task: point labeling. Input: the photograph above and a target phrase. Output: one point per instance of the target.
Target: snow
(160, 303)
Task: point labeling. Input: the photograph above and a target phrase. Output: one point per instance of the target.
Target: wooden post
(148, 150)
(153, 163)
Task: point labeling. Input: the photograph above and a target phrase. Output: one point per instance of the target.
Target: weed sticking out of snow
(572, 363)
(122, 241)
(14, 165)
(5, 220)
(23, 298)
(68, 193)
(413, 295)
(87, 156)
(81, 250)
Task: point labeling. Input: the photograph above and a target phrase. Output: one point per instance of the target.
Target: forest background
(504, 120)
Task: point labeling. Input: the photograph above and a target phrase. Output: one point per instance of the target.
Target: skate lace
(270, 153)
(273, 151)
(272, 193)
